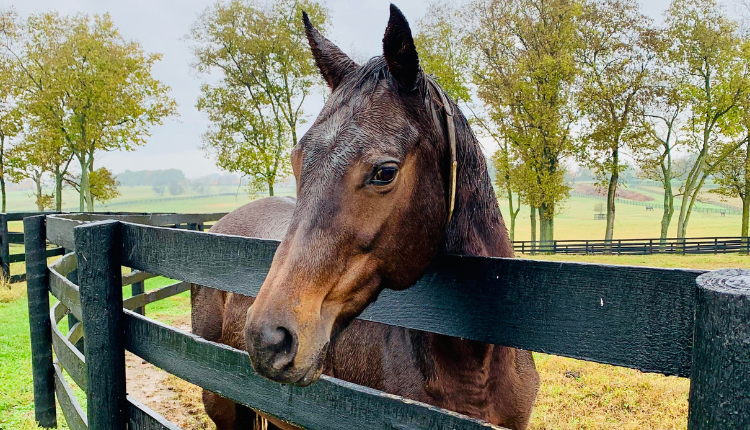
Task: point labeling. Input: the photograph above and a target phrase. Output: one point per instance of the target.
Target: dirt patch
(178, 401)
(591, 190)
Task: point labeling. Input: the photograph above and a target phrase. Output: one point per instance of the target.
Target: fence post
(40, 324)
(98, 248)
(4, 247)
(720, 371)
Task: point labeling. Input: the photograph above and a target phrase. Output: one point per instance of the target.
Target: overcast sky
(161, 25)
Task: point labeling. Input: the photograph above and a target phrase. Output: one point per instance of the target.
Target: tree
(103, 184)
(616, 53)
(10, 118)
(444, 51)
(733, 180)
(661, 124)
(708, 55)
(89, 85)
(506, 173)
(261, 53)
(525, 71)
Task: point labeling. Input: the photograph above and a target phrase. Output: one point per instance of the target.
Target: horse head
(373, 199)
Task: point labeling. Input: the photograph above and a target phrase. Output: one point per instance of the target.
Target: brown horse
(373, 209)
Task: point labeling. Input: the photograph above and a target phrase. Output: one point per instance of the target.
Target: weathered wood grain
(40, 322)
(136, 276)
(136, 302)
(67, 355)
(635, 317)
(327, 404)
(143, 418)
(60, 231)
(99, 276)
(720, 380)
(14, 237)
(74, 416)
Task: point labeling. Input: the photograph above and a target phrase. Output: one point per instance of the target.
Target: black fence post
(4, 247)
(720, 371)
(40, 324)
(98, 249)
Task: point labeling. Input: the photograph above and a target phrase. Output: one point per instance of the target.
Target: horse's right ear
(334, 65)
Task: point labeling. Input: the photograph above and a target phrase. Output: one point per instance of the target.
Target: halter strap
(451, 144)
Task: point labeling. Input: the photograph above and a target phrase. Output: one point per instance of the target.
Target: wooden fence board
(143, 418)
(67, 355)
(635, 317)
(74, 416)
(327, 404)
(66, 292)
(142, 300)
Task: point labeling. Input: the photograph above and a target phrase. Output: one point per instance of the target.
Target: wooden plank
(135, 277)
(71, 358)
(19, 216)
(720, 380)
(60, 231)
(142, 300)
(328, 404)
(636, 317)
(39, 322)
(71, 409)
(17, 278)
(66, 292)
(75, 333)
(99, 276)
(141, 417)
(15, 237)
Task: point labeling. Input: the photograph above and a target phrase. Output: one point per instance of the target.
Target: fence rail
(685, 246)
(637, 317)
(7, 238)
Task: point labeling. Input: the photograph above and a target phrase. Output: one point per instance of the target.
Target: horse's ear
(399, 51)
(334, 65)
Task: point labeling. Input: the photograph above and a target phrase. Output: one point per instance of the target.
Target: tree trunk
(58, 189)
(84, 185)
(513, 214)
(546, 227)
(270, 188)
(611, 193)
(533, 228)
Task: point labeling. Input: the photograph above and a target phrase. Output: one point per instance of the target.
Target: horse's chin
(295, 375)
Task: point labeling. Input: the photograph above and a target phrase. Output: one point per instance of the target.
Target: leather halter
(451, 143)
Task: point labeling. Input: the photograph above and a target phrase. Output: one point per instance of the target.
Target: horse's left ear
(334, 65)
(399, 51)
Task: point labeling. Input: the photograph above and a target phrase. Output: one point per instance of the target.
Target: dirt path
(173, 398)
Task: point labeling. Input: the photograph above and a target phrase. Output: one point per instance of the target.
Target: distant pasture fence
(7, 237)
(729, 210)
(683, 246)
(688, 323)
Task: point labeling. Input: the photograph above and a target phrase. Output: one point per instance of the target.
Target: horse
(388, 176)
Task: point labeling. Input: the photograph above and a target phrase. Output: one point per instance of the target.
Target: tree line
(599, 83)
(551, 82)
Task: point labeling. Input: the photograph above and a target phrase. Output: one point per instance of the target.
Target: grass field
(574, 394)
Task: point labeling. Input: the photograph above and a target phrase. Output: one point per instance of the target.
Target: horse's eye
(384, 175)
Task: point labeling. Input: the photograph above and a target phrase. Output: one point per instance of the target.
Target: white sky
(160, 26)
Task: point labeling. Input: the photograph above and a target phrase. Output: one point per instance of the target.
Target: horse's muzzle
(273, 347)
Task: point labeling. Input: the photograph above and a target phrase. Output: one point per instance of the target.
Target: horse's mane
(477, 226)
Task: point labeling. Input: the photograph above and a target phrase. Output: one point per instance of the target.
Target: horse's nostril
(279, 346)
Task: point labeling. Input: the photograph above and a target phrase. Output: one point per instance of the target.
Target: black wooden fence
(188, 221)
(685, 246)
(688, 323)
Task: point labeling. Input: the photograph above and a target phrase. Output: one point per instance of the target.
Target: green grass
(16, 395)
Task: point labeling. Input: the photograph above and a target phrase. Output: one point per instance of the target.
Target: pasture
(574, 394)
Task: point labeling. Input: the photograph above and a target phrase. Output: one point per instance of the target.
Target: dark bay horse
(374, 186)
